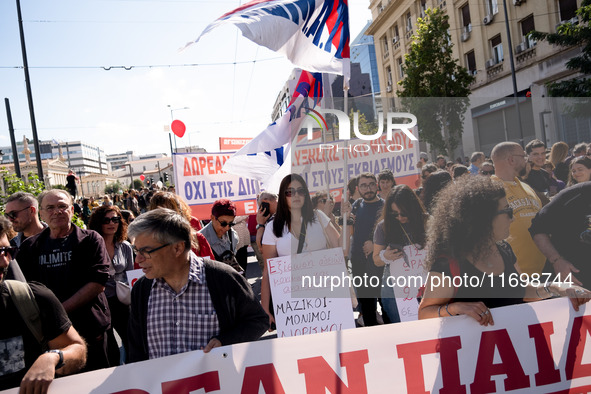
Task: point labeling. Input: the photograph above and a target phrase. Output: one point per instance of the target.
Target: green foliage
(113, 188)
(15, 184)
(431, 71)
(567, 35)
(365, 127)
(61, 187)
(138, 184)
(78, 221)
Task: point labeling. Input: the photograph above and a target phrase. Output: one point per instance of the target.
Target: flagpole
(345, 197)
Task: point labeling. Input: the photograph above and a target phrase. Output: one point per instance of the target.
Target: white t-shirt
(287, 244)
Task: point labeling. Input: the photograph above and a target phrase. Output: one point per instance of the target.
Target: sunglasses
(291, 191)
(9, 251)
(225, 224)
(395, 214)
(14, 214)
(508, 211)
(487, 172)
(323, 201)
(114, 219)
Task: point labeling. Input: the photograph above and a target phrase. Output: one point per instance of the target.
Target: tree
(113, 188)
(431, 73)
(137, 184)
(569, 34)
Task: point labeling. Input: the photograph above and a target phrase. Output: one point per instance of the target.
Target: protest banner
(233, 143)
(302, 308)
(532, 348)
(400, 154)
(406, 275)
(200, 181)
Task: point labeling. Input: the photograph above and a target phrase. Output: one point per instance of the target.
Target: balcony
(493, 70)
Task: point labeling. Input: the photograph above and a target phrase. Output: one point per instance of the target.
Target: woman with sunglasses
(466, 240)
(106, 220)
(403, 223)
(219, 232)
(296, 222)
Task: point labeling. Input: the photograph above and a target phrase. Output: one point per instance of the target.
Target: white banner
(532, 348)
(200, 181)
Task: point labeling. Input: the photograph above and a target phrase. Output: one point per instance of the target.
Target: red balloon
(142, 177)
(178, 128)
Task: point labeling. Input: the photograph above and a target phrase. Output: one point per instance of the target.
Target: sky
(228, 83)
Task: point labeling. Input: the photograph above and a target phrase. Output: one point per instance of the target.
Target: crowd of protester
(519, 211)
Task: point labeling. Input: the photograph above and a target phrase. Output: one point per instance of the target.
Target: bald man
(510, 162)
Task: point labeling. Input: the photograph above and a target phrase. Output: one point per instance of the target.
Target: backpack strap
(24, 300)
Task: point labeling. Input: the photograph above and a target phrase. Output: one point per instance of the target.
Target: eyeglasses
(145, 252)
(225, 224)
(291, 191)
(114, 219)
(371, 185)
(508, 211)
(491, 172)
(51, 208)
(323, 201)
(14, 214)
(9, 251)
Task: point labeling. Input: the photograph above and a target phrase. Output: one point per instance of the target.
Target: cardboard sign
(301, 301)
(407, 276)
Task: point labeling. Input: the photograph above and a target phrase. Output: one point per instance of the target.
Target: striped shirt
(182, 322)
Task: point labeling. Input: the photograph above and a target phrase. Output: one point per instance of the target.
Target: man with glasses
(510, 162)
(74, 264)
(185, 302)
(219, 230)
(22, 209)
(367, 210)
(25, 360)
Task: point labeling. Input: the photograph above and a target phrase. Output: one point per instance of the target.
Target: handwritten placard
(407, 275)
(303, 299)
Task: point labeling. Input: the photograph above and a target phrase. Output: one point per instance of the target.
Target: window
(466, 21)
(497, 49)
(385, 44)
(408, 22)
(400, 68)
(492, 7)
(396, 34)
(389, 76)
(471, 62)
(423, 8)
(567, 9)
(527, 25)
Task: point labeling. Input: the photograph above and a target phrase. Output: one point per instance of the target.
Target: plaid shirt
(182, 322)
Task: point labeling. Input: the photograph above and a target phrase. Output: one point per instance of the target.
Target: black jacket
(240, 315)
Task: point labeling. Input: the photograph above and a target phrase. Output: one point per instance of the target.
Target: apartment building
(478, 30)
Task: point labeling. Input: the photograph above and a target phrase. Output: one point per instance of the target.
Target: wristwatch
(260, 226)
(61, 354)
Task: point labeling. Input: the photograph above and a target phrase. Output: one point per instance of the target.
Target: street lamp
(172, 119)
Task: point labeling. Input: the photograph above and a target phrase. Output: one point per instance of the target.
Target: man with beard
(367, 209)
(510, 162)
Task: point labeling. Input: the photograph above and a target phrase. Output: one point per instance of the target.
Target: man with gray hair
(74, 264)
(184, 302)
(22, 209)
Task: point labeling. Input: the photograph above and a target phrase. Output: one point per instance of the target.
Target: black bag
(229, 258)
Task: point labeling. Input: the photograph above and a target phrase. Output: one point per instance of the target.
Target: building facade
(480, 41)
